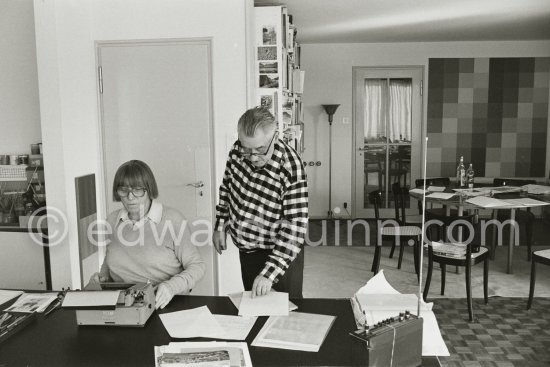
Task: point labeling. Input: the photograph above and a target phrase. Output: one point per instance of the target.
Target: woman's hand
(164, 296)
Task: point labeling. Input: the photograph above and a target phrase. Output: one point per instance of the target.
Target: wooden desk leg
(512, 239)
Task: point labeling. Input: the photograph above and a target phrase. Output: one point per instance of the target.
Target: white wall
(329, 80)
(66, 31)
(20, 112)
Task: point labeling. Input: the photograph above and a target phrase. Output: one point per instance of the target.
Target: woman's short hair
(254, 118)
(135, 173)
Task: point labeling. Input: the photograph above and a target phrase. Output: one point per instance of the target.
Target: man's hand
(218, 239)
(261, 286)
(164, 296)
(96, 279)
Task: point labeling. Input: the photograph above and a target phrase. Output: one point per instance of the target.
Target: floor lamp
(330, 109)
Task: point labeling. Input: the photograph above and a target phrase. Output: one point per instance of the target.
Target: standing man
(264, 207)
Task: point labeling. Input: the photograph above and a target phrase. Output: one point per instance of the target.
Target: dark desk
(58, 341)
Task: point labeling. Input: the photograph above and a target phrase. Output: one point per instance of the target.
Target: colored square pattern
(493, 111)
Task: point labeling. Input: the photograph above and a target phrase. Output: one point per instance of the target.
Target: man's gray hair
(254, 118)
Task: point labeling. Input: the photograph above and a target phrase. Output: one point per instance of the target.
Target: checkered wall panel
(492, 111)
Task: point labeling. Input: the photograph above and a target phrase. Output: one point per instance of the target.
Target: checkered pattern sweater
(267, 207)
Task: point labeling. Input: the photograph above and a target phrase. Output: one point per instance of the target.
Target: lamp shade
(330, 109)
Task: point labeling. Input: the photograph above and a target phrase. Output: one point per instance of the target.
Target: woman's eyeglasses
(124, 191)
(247, 153)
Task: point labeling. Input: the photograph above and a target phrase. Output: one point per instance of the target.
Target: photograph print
(269, 81)
(268, 67)
(267, 101)
(269, 35)
(267, 53)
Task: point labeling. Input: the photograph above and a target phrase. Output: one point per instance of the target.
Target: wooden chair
(543, 257)
(524, 217)
(398, 234)
(467, 223)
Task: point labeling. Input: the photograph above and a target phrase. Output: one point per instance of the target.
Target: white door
(387, 130)
(157, 107)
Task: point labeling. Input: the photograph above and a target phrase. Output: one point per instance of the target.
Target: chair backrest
(433, 181)
(512, 182)
(399, 202)
(375, 198)
(466, 222)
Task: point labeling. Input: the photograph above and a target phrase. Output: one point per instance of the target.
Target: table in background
(59, 341)
(461, 204)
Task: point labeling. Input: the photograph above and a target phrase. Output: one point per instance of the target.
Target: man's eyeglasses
(247, 153)
(124, 191)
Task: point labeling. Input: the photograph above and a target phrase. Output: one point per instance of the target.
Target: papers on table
(436, 188)
(272, 304)
(32, 302)
(7, 295)
(203, 354)
(91, 299)
(380, 301)
(236, 300)
(441, 195)
(536, 189)
(487, 202)
(525, 202)
(297, 331)
(200, 322)
(472, 192)
(417, 191)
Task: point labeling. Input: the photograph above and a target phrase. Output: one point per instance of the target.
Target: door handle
(196, 185)
(361, 149)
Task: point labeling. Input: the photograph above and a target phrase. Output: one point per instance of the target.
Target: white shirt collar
(154, 214)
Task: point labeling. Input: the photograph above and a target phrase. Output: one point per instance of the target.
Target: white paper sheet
(236, 300)
(235, 327)
(441, 195)
(238, 352)
(196, 322)
(297, 331)
(8, 295)
(90, 298)
(487, 202)
(436, 188)
(272, 304)
(525, 202)
(383, 308)
(417, 191)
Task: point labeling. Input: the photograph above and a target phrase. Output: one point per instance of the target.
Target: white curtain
(399, 119)
(375, 109)
(387, 111)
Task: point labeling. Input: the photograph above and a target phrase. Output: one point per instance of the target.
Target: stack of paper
(198, 354)
(457, 250)
(297, 331)
(200, 322)
(526, 202)
(378, 300)
(237, 297)
(536, 189)
(32, 302)
(274, 303)
(441, 195)
(436, 188)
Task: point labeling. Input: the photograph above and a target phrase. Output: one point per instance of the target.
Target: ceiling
(358, 21)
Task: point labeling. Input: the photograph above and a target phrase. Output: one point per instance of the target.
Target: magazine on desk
(203, 354)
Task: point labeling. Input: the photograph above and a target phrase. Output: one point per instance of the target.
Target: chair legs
(376, 260)
(529, 238)
(486, 280)
(532, 285)
(443, 276)
(428, 278)
(469, 292)
(401, 249)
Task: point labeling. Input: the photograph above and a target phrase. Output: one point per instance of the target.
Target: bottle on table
(470, 176)
(461, 174)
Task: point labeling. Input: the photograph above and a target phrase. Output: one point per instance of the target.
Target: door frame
(103, 186)
(415, 173)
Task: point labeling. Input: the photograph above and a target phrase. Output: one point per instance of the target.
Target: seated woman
(148, 241)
